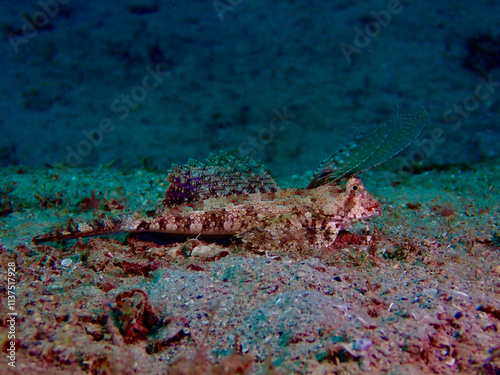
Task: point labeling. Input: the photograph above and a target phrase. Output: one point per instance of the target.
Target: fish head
(359, 204)
(346, 203)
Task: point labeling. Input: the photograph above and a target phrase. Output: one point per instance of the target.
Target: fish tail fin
(97, 227)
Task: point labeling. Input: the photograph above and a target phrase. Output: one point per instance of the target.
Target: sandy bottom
(418, 293)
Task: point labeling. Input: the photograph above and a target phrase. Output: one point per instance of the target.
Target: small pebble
(204, 251)
(66, 262)
(361, 344)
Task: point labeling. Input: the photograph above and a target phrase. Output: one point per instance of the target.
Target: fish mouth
(374, 210)
(367, 217)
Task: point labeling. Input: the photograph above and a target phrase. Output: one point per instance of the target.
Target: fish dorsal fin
(222, 174)
(370, 149)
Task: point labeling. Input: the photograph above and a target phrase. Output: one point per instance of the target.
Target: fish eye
(355, 187)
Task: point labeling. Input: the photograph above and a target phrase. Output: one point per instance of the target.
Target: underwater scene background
(397, 274)
(90, 83)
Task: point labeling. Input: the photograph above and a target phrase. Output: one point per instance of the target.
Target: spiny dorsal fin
(370, 149)
(222, 174)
